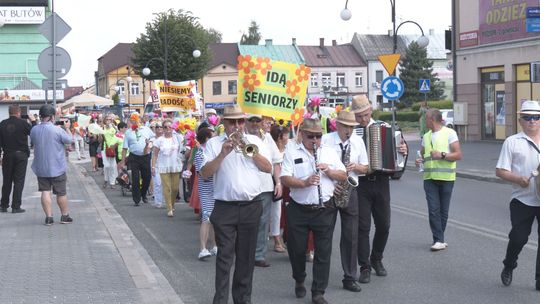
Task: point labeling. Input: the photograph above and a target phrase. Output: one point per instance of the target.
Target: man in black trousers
(14, 133)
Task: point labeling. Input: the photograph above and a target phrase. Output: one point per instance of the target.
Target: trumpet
(242, 145)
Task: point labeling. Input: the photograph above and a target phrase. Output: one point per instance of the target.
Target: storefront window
(493, 108)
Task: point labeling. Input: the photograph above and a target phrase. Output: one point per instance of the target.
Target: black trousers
(140, 169)
(321, 222)
(348, 244)
(522, 218)
(235, 227)
(374, 200)
(14, 173)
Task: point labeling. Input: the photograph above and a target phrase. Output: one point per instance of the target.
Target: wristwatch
(443, 155)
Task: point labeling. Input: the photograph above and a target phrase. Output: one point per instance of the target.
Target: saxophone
(342, 199)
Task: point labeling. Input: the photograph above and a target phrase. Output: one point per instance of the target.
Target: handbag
(110, 152)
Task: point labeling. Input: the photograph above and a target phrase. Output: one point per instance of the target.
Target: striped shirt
(206, 186)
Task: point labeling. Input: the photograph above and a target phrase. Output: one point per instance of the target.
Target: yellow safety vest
(438, 169)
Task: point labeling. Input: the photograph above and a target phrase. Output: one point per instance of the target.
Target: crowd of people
(252, 178)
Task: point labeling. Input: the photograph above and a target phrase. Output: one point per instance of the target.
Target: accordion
(381, 147)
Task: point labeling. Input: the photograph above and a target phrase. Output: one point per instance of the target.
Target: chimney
(334, 42)
(321, 42)
(268, 42)
(390, 32)
(431, 32)
(294, 41)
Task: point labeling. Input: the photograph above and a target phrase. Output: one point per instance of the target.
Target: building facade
(219, 84)
(494, 51)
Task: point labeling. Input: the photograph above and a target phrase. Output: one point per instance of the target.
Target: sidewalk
(94, 260)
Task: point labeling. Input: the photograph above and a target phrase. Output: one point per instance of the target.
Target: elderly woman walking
(166, 162)
(110, 143)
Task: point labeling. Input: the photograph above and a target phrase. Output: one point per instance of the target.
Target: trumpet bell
(250, 150)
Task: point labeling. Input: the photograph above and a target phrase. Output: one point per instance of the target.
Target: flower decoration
(298, 116)
(134, 127)
(302, 73)
(339, 108)
(263, 65)
(220, 129)
(175, 125)
(245, 63)
(190, 139)
(292, 88)
(314, 101)
(250, 82)
(332, 124)
(134, 117)
(283, 123)
(213, 120)
(186, 124)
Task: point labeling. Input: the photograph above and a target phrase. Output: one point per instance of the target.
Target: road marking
(482, 231)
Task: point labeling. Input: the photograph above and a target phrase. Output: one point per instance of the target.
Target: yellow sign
(176, 96)
(271, 88)
(390, 62)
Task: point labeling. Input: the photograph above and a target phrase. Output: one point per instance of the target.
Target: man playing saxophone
(351, 148)
(304, 212)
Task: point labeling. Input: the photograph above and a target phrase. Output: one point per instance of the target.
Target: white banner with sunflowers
(271, 88)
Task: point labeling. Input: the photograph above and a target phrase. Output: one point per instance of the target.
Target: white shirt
(519, 157)
(275, 158)
(299, 163)
(237, 178)
(358, 148)
(168, 159)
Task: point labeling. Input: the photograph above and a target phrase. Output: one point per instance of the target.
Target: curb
(480, 176)
(147, 277)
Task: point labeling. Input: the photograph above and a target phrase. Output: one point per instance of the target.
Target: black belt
(372, 178)
(328, 204)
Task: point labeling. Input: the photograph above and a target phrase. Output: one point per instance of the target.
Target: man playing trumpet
(311, 206)
(237, 208)
(351, 148)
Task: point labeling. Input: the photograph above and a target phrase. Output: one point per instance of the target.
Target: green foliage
(253, 37)
(115, 98)
(179, 33)
(415, 66)
(215, 35)
(400, 116)
(441, 104)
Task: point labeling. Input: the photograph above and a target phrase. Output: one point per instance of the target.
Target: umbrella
(87, 100)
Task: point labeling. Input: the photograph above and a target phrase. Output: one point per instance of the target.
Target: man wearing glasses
(310, 171)
(237, 210)
(440, 151)
(518, 164)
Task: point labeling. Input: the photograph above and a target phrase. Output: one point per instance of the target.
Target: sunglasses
(255, 120)
(313, 136)
(529, 118)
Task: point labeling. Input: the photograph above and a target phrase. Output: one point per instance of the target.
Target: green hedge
(441, 104)
(400, 116)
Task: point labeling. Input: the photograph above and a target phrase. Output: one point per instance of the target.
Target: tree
(415, 66)
(253, 37)
(184, 35)
(215, 35)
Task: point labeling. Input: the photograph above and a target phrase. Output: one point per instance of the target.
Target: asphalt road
(467, 272)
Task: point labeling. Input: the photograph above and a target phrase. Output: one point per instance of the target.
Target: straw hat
(311, 125)
(233, 112)
(360, 103)
(347, 118)
(250, 116)
(530, 107)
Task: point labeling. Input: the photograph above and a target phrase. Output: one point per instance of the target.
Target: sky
(98, 25)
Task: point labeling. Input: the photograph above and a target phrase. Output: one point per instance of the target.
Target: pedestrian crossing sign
(424, 85)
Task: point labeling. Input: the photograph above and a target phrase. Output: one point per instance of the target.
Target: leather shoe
(299, 290)
(506, 276)
(318, 299)
(262, 263)
(365, 276)
(379, 268)
(17, 210)
(352, 286)
(136, 204)
(145, 200)
(2, 209)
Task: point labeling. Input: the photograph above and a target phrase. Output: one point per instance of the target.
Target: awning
(217, 105)
(87, 100)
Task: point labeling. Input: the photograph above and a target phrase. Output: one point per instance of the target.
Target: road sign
(390, 62)
(63, 62)
(532, 25)
(61, 28)
(533, 12)
(424, 85)
(392, 88)
(47, 84)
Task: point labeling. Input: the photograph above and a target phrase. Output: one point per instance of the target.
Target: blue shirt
(49, 150)
(135, 141)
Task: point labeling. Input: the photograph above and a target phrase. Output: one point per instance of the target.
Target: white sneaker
(204, 254)
(213, 251)
(438, 246)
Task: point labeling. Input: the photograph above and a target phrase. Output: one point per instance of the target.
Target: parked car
(448, 118)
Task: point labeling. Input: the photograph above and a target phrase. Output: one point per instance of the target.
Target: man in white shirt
(310, 171)
(519, 164)
(344, 142)
(254, 126)
(237, 209)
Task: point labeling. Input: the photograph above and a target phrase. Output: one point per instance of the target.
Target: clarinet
(319, 189)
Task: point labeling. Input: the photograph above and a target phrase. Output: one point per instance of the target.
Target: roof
(224, 53)
(371, 46)
(435, 49)
(26, 84)
(331, 56)
(118, 56)
(287, 53)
